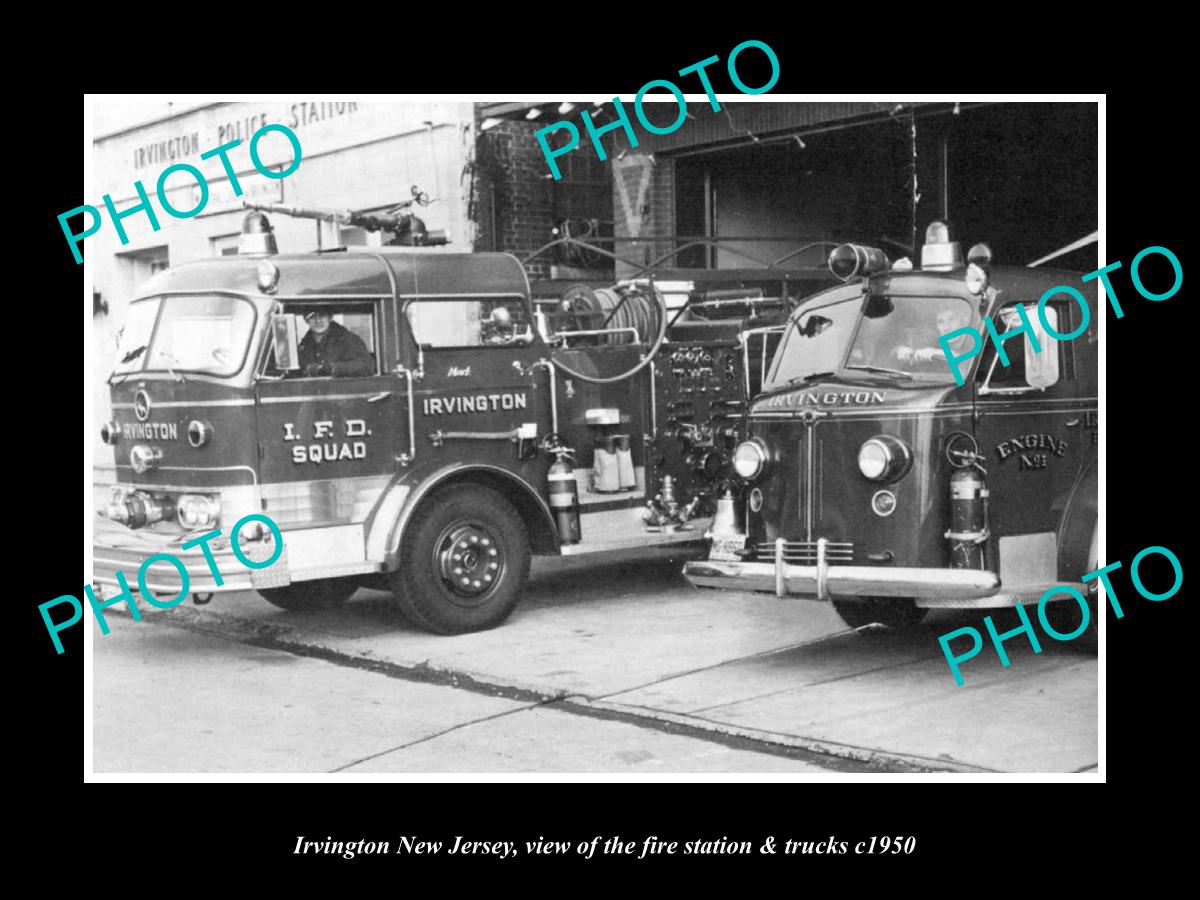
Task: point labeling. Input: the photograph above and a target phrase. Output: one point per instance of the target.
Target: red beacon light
(852, 260)
(940, 254)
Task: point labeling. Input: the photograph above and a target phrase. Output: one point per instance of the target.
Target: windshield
(206, 334)
(895, 336)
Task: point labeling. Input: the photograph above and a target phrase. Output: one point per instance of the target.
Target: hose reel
(608, 310)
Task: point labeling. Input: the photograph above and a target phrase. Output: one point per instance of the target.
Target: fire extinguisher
(564, 495)
(968, 516)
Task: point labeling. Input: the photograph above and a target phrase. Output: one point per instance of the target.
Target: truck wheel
(463, 561)
(896, 613)
(323, 593)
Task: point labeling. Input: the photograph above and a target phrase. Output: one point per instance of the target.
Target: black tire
(896, 613)
(1064, 617)
(301, 596)
(464, 560)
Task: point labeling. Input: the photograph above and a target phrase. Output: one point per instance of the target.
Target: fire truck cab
(470, 435)
(872, 480)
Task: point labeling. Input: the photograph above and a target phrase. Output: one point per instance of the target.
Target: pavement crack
(717, 665)
(833, 756)
(809, 684)
(438, 734)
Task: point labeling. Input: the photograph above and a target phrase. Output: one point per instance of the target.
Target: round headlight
(750, 459)
(268, 276)
(144, 458)
(884, 458)
(110, 432)
(199, 433)
(873, 459)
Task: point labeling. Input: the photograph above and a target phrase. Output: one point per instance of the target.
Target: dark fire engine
(871, 480)
(485, 429)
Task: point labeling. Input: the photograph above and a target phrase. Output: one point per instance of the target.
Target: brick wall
(513, 189)
(512, 204)
(516, 205)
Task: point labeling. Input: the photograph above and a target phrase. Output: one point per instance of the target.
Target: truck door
(328, 443)
(483, 398)
(1029, 418)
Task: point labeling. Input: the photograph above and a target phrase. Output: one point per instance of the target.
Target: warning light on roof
(940, 254)
(258, 238)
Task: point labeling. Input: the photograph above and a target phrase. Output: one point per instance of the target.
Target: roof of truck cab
(356, 272)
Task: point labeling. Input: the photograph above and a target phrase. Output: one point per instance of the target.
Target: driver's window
(334, 340)
(1026, 370)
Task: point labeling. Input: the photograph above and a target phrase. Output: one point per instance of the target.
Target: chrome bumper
(117, 548)
(824, 581)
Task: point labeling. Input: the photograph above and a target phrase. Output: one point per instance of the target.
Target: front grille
(804, 553)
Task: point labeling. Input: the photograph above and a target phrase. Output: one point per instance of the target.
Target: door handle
(380, 396)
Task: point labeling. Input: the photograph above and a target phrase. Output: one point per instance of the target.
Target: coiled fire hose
(628, 312)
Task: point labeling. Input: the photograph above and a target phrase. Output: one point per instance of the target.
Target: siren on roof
(855, 261)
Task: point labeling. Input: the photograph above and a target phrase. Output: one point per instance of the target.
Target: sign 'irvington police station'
(222, 152)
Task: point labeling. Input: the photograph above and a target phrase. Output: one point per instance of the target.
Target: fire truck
(872, 480)
(481, 429)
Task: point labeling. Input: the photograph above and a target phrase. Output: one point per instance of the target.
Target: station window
(462, 322)
(138, 266)
(1026, 370)
(224, 244)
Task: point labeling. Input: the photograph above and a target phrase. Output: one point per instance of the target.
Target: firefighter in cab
(332, 349)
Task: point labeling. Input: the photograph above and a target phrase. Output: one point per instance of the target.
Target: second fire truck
(874, 479)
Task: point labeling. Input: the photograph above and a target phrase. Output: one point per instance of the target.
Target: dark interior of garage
(1020, 177)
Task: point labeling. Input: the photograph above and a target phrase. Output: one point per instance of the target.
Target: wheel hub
(469, 560)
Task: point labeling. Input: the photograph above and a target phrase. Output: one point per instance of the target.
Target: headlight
(199, 433)
(750, 459)
(110, 432)
(198, 511)
(144, 458)
(268, 276)
(884, 458)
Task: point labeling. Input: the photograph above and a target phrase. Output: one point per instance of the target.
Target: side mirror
(283, 337)
(1041, 369)
(815, 325)
(878, 306)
